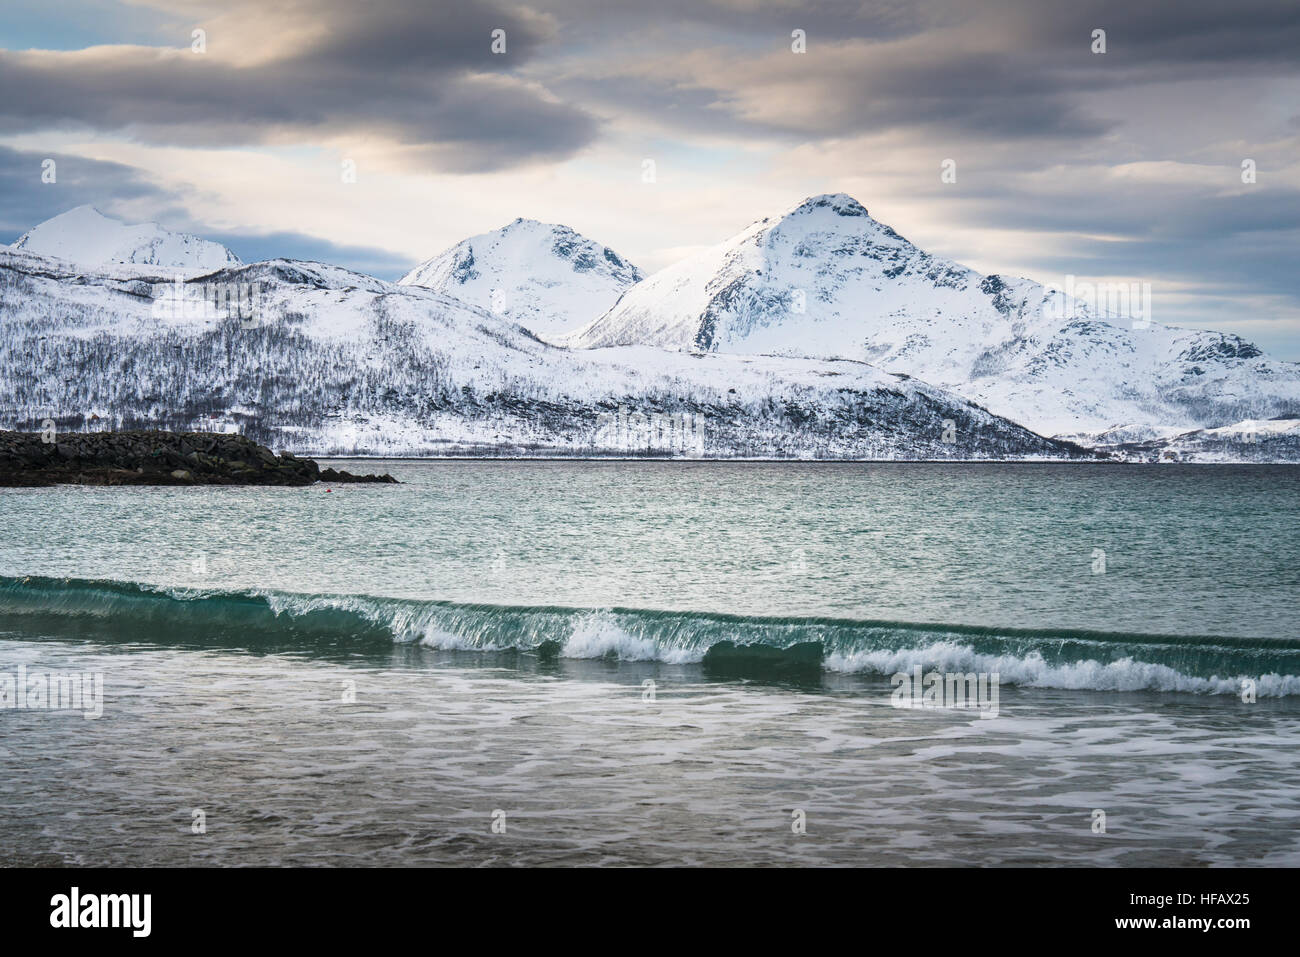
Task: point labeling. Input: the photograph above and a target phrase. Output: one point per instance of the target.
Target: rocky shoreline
(34, 459)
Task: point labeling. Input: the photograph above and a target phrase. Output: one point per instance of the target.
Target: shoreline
(161, 457)
(649, 459)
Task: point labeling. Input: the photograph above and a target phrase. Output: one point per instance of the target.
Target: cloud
(290, 245)
(313, 70)
(980, 70)
(78, 181)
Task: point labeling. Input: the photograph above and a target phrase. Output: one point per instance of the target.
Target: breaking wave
(273, 621)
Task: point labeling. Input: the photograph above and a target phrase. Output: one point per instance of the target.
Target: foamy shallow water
(588, 771)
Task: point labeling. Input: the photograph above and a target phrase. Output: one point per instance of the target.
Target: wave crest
(1044, 658)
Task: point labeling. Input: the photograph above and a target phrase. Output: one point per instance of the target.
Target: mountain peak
(523, 225)
(80, 217)
(842, 204)
(84, 211)
(546, 277)
(85, 236)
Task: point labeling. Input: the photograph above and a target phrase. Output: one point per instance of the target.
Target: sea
(654, 663)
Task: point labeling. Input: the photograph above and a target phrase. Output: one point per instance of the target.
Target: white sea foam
(598, 634)
(1032, 671)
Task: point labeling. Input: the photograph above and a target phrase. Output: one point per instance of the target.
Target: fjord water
(356, 674)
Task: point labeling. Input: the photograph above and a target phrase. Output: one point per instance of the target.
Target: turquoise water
(499, 622)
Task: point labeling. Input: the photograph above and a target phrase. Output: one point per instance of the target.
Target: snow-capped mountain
(826, 279)
(318, 359)
(87, 237)
(821, 333)
(547, 278)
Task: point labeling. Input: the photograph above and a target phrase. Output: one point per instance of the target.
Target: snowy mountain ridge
(825, 279)
(337, 363)
(545, 277)
(87, 237)
(777, 336)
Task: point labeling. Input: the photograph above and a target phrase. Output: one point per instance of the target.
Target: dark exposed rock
(330, 475)
(154, 458)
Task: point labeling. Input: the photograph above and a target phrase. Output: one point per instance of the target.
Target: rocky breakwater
(154, 458)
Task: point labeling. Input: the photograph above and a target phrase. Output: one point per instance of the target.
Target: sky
(376, 133)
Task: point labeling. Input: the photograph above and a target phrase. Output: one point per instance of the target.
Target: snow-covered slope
(825, 279)
(547, 278)
(330, 361)
(1251, 440)
(87, 237)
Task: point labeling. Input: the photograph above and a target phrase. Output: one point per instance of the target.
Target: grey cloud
(78, 181)
(726, 22)
(413, 38)
(1247, 32)
(978, 96)
(985, 69)
(425, 79)
(1140, 210)
(1238, 243)
(289, 245)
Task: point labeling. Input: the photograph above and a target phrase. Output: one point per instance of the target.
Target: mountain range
(825, 279)
(816, 333)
